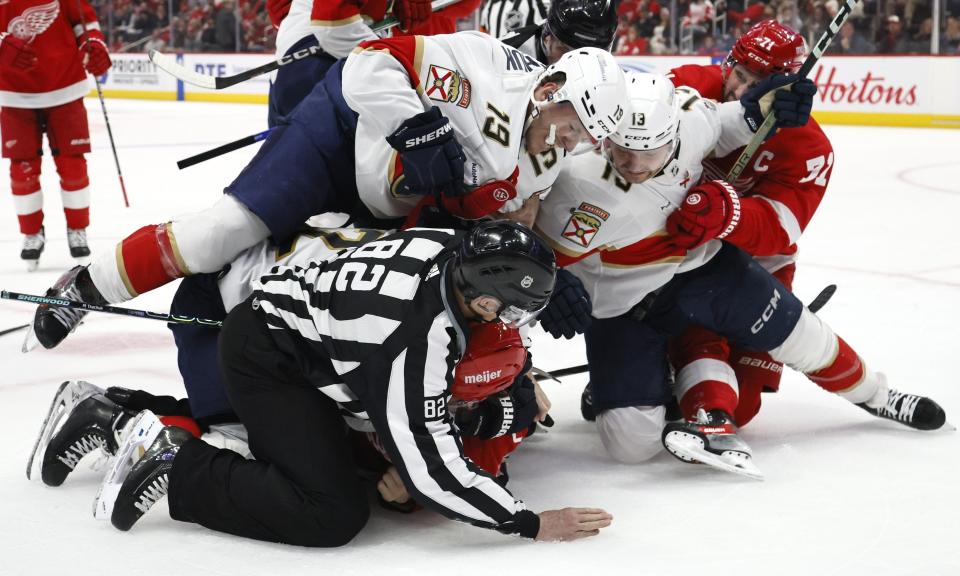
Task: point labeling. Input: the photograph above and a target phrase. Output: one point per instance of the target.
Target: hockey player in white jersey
(626, 285)
(446, 116)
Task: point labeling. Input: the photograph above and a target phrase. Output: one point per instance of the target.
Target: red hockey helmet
(494, 358)
(767, 48)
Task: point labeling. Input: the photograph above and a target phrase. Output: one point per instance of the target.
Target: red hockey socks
(148, 259)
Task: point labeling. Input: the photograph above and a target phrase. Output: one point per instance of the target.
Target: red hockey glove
(411, 13)
(15, 53)
(483, 200)
(96, 58)
(711, 210)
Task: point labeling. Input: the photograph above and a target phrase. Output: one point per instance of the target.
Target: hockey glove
(483, 200)
(15, 53)
(568, 312)
(711, 210)
(790, 99)
(137, 400)
(96, 58)
(411, 13)
(504, 413)
(431, 156)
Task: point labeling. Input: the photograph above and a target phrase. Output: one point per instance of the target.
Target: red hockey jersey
(781, 187)
(53, 28)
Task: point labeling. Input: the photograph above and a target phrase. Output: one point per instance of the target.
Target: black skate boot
(77, 240)
(914, 411)
(33, 245)
(94, 423)
(712, 440)
(147, 481)
(586, 404)
(51, 324)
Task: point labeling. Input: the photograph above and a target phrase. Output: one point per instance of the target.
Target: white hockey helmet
(653, 113)
(594, 85)
(652, 121)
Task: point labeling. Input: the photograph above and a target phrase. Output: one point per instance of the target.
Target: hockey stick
(815, 305)
(106, 119)
(14, 329)
(221, 150)
(169, 63)
(843, 14)
(32, 299)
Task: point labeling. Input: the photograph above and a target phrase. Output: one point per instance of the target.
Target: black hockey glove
(791, 103)
(137, 400)
(568, 312)
(505, 413)
(431, 156)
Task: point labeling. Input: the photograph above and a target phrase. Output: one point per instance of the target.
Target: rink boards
(914, 91)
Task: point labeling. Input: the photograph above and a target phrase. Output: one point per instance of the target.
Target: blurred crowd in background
(700, 27)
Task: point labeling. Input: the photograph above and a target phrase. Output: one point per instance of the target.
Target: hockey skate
(712, 440)
(68, 396)
(586, 404)
(146, 482)
(51, 324)
(33, 245)
(77, 240)
(911, 410)
(94, 423)
(143, 429)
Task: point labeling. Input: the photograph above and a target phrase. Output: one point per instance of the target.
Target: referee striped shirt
(379, 331)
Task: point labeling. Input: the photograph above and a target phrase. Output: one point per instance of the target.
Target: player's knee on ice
(632, 434)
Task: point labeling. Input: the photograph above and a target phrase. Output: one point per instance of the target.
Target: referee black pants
(303, 487)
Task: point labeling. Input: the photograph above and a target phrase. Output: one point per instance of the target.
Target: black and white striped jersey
(378, 330)
(501, 18)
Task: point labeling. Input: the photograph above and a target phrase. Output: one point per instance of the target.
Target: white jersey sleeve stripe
(787, 219)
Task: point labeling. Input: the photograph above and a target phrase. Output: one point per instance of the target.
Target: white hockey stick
(169, 64)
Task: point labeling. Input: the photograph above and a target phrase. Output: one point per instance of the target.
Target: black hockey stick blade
(14, 329)
(223, 149)
(64, 303)
(822, 298)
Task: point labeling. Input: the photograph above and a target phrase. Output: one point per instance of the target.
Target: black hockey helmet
(582, 23)
(506, 260)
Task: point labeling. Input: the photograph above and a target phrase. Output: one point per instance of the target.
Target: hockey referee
(372, 339)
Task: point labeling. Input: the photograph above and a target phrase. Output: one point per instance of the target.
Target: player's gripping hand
(711, 210)
(505, 413)
(96, 58)
(568, 312)
(431, 156)
(410, 13)
(572, 523)
(15, 53)
(789, 98)
(483, 200)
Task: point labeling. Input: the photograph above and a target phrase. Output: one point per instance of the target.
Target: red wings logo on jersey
(34, 21)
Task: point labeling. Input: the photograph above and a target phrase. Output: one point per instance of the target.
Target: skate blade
(138, 436)
(69, 394)
(30, 341)
(692, 448)
(32, 265)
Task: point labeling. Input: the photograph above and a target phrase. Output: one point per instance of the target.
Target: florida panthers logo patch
(34, 21)
(581, 228)
(445, 85)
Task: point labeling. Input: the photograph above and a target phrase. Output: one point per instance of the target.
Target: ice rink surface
(845, 494)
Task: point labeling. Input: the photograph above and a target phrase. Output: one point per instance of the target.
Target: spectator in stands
(634, 44)
(922, 39)
(950, 39)
(226, 27)
(892, 39)
(850, 41)
(208, 35)
(660, 40)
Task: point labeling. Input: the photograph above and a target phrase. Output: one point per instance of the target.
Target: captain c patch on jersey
(445, 85)
(581, 228)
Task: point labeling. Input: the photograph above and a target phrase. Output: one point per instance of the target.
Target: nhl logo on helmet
(527, 281)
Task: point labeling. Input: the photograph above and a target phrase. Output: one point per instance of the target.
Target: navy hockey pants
(198, 296)
(303, 487)
(306, 165)
(731, 295)
(295, 80)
